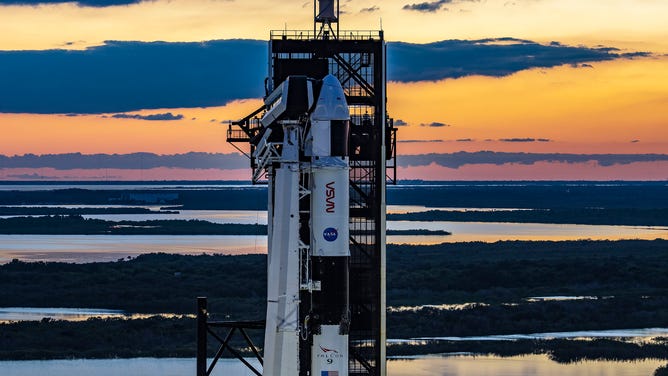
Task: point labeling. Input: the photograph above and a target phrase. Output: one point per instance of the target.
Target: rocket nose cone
(331, 80)
(331, 103)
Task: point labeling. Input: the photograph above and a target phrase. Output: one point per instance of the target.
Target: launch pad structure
(358, 60)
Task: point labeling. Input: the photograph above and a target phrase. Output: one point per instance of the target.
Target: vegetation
(508, 271)
(661, 371)
(174, 337)
(462, 194)
(78, 225)
(48, 210)
(153, 283)
(559, 350)
(628, 277)
(418, 232)
(449, 273)
(533, 317)
(586, 216)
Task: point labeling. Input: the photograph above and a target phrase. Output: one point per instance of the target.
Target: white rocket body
(322, 141)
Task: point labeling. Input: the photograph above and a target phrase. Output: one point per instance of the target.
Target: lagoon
(443, 365)
(91, 248)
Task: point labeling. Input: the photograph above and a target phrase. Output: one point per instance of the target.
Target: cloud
(370, 9)
(168, 116)
(197, 160)
(83, 3)
(465, 140)
(129, 76)
(70, 161)
(456, 160)
(399, 123)
(419, 141)
(33, 176)
(525, 140)
(427, 7)
(435, 124)
(408, 62)
(434, 6)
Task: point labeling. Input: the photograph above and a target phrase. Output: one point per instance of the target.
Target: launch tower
(357, 59)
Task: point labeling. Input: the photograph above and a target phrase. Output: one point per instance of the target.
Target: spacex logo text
(330, 194)
(326, 350)
(329, 354)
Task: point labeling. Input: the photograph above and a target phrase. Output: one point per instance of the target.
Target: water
(45, 186)
(497, 231)
(644, 333)
(248, 217)
(69, 314)
(453, 365)
(13, 314)
(90, 248)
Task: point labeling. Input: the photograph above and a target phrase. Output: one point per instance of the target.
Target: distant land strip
(200, 160)
(78, 225)
(49, 210)
(583, 216)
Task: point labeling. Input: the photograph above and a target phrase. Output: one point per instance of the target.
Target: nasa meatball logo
(330, 234)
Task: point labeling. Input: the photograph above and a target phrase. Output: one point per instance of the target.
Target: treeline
(152, 283)
(559, 350)
(175, 337)
(493, 273)
(627, 276)
(585, 216)
(224, 198)
(48, 210)
(509, 271)
(78, 225)
(475, 195)
(531, 317)
(532, 195)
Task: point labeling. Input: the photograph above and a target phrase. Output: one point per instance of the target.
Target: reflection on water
(82, 248)
(11, 314)
(583, 334)
(250, 217)
(129, 186)
(69, 314)
(532, 365)
(125, 367)
(91, 248)
(496, 231)
(456, 365)
(404, 209)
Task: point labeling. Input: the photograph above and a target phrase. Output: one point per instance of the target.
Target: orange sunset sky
(618, 106)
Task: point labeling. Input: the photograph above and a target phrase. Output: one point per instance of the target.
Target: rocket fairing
(308, 315)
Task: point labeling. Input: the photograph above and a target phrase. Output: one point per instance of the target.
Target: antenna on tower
(326, 13)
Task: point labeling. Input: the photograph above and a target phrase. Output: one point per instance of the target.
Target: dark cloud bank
(236, 161)
(88, 3)
(427, 7)
(152, 117)
(456, 160)
(132, 161)
(488, 57)
(126, 76)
